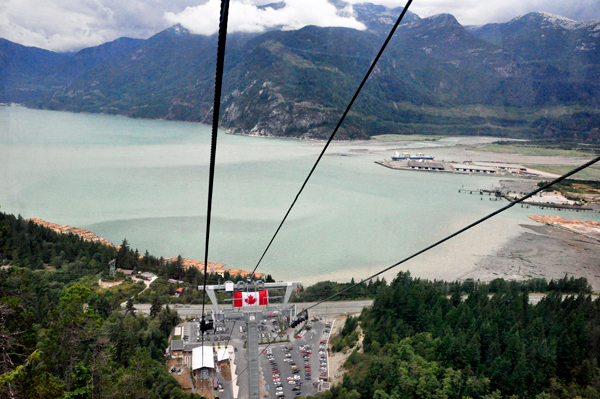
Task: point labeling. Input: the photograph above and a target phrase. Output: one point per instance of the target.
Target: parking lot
(288, 369)
(294, 368)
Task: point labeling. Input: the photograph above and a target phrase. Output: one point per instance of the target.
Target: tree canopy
(426, 339)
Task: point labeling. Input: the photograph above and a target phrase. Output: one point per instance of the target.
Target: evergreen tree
(156, 306)
(129, 308)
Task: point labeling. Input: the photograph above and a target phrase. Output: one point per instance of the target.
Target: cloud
(244, 16)
(69, 25)
(480, 12)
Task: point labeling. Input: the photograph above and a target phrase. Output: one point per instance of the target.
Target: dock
(497, 195)
(465, 168)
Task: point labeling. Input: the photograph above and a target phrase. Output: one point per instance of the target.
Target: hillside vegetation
(61, 336)
(426, 339)
(61, 339)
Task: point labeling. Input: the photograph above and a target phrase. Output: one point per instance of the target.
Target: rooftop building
(501, 165)
(203, 357)
(471, 168)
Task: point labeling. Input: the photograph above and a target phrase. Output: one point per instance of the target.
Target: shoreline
(218, 268)
(541, 251)
(465, 146)
(524, 252)
(451, 260)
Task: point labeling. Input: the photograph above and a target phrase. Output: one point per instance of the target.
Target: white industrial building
(511, 167)
(222, 356)
(471, 168)
(203, 361)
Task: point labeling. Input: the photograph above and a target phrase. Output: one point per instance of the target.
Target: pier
(465, 168)
(499, 196)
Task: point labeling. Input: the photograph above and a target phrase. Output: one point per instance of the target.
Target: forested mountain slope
(63, 336)
(523, 78)
(62, 339)
(425, 339)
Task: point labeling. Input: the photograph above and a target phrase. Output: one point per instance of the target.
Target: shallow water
(146, 180)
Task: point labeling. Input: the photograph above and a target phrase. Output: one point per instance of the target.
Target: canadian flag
(241, 299)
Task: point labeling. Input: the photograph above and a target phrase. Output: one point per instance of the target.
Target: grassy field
(495, 111)
(405, 137)
(592, 173)
(531, 150)
(476, 120)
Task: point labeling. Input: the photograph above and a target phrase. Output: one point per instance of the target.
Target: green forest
(63, 337)
(325, 289)
(425, 339)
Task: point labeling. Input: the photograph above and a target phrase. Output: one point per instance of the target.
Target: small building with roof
(177, 348)
(187, 352)
(425, 165)
(509, 167)
(222, 356)
(147, 276)
(203, 361)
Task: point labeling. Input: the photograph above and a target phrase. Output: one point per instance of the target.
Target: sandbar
(542, 251)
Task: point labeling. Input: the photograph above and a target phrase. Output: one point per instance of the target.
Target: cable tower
(253, 297)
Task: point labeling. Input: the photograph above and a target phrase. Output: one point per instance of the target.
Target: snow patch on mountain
(552, 20)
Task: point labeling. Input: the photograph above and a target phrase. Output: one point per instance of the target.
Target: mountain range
(537, 75)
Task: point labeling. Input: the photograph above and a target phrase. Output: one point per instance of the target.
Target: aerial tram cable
(213, 145)
(389, 37)
(387, 40)
(218, 86)
(483, 219)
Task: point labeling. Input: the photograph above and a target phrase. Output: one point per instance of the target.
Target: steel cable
(213, 145)
(387, 40)
(483, 219)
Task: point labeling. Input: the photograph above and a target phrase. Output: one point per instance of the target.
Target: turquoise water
(146, 180)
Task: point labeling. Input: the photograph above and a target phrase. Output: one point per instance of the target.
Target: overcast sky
(69, 25)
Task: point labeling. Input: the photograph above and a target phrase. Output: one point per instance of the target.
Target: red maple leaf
(250, 300)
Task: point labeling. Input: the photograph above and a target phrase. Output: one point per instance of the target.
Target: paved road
(329, 309)
(241, 361)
